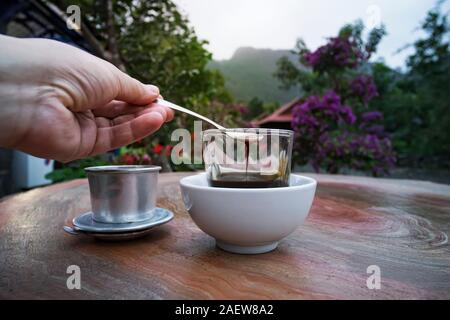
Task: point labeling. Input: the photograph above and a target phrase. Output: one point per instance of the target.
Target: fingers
(116, 109)
(128, 117)
(133, 91)
(111, 137)
(170, 112)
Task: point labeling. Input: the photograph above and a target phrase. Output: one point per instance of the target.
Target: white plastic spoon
(235, 135)
(192, 113)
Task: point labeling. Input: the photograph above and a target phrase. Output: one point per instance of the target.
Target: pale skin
(59, 102)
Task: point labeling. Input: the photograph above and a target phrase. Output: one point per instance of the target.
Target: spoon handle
(71, 230)
(192, 113)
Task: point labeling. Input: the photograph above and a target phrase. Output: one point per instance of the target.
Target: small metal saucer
(117, 236)
(120, 236)
(86, 224)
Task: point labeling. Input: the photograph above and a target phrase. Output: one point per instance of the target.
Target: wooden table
(400, 226)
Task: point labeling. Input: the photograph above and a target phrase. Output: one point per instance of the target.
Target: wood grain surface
(402, 226)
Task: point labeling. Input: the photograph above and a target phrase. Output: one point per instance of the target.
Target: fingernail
(153, 89)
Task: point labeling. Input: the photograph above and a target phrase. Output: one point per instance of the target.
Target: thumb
(133, 91)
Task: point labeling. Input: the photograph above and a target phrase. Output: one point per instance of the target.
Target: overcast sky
(276, 24)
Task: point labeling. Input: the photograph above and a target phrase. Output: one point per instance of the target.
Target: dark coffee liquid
(249, 180)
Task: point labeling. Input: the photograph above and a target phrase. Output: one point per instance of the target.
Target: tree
(256, 108)
(334, 125)
(429, 75)
(416, 102)
(403, 115)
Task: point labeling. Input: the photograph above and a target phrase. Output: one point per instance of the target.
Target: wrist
(17, 106)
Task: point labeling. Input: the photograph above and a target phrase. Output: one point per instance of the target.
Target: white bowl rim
(309, 182)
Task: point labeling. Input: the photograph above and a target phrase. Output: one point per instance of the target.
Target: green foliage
(432, 51)
(258, 109)
(429, 78)
(74, 170)
(255, 107)
(402, 112)
(416, 103)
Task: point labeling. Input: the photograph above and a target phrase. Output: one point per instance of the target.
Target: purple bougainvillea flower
(371, 116)
(325, 131)
(339, 52)
(328, 133)
(363, 87)
(348, 114)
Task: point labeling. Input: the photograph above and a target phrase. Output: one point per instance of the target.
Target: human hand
(59, 102)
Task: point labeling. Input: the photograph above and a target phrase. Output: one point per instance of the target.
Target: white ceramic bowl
(248, 221)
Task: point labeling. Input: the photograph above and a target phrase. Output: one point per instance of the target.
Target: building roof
(282, 114)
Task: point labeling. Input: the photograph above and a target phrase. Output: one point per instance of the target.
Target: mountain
(249, 74)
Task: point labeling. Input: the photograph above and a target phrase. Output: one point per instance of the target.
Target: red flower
(158, 148)
(128, 159)
(168, 150)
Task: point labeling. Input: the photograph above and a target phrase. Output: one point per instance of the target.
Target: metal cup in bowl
(122, 194)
